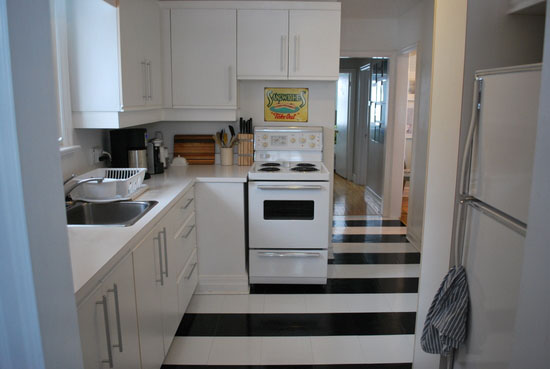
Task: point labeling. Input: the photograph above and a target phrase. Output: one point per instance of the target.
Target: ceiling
(376, 8)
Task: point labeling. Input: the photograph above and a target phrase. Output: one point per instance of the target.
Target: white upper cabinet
(314, 44)
(114, 62)
(262, 41)
(204, 58)
(288, 44)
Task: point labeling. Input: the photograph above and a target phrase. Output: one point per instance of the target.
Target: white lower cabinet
(130, 319)
(108, 322)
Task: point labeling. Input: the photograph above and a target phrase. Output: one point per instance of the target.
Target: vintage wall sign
(286, 104)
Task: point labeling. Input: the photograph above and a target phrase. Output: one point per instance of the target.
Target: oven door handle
(290, 187)
(290, 254)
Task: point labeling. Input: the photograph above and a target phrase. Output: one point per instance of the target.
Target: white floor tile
(369, 230)
(387, 349)
(205, 304)
(336, 303)
(374, 271)
(336, 350)
(368, 303)
(284, 303)
(235, 351)
(401, 302)
(189, 350)
(243, 304)
(346, 247)
(286, 350)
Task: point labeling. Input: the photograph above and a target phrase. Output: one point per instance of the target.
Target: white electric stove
(288, 207)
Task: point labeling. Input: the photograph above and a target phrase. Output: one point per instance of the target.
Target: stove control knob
(312, 145)
(264, 137)
(302, 140)
(293, 140)
(312, 137)
(264, 144)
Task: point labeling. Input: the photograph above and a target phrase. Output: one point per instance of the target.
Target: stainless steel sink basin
(121, 214)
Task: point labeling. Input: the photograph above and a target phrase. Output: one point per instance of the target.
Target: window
(61, 73)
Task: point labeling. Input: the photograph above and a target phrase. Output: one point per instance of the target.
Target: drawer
(183, 208)
(185, 241)
(288, 266)
(187, 282)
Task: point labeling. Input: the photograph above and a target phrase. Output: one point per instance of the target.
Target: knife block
(245, 152)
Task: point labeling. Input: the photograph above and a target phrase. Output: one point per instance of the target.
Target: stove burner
(271, 165)
(304, 169)
(305, 165)
(269, 169)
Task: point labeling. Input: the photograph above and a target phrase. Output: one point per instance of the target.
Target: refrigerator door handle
(495, 214)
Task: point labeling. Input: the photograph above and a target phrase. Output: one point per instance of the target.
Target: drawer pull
(187, 204)
(189, 232)
(191, 272)
(161, 280)
(290, 254)
(165, 251)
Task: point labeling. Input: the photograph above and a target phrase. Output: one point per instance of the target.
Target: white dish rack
(118, 184)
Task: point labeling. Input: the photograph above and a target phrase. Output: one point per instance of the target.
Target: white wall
(533, 320)
(79, 160)
(369, 34)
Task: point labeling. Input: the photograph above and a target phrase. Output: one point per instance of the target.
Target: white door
(204, 58)
(262, 41)
(314, 46)
(149, 280)
(343, 103)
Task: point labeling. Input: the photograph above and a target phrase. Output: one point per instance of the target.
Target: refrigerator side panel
(493, 262)
(504, 146)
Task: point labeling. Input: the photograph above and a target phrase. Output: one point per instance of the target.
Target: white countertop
(96, 250)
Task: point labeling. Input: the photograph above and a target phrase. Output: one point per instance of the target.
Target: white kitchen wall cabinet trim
(114, 62)
(288, 44)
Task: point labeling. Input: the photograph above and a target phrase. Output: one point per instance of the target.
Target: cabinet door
(120, 293)
(147, 273)
(152, 46)
(204, 47)
(262, 41)
(169, 290)
(314, 50)
(93, 334)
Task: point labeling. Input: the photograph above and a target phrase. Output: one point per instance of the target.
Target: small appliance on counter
(155, 164)
(129, 148)
(288, 207)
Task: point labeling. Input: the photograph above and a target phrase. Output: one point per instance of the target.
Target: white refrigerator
(496, 183)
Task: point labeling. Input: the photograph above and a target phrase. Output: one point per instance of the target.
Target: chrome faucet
(82, 181)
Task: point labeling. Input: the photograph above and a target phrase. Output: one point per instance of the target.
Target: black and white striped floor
(363, 318)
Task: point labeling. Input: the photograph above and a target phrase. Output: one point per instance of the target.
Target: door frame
(388, 196)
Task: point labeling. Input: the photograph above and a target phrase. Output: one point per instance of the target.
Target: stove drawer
(288, 266)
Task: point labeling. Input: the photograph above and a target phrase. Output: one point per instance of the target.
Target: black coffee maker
(124, 141)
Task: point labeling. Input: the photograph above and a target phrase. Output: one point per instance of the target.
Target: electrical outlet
(95, 154)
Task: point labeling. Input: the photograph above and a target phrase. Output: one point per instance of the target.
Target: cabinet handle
(296, 53)
(107, 331)
(144, 73)
(187, 204)
(161, 280)
(230, 72)
(190, 230)
(150, 80)
(191, 272)
(283, 41)
(290, 254)
(114, 290)
(165, 252)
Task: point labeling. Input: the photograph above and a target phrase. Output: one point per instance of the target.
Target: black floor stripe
(376, 258)
(286, 325)
(318, 366)
(344, 285)
(378, 238)
(368, 223)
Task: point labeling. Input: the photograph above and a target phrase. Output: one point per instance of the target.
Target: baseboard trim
(414, 241)
(222, 284)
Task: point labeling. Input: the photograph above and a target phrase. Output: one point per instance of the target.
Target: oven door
(288, 215)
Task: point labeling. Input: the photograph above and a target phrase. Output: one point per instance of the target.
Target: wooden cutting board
(197, 149)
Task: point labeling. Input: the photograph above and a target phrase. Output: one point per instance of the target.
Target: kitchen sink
(120, 214)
